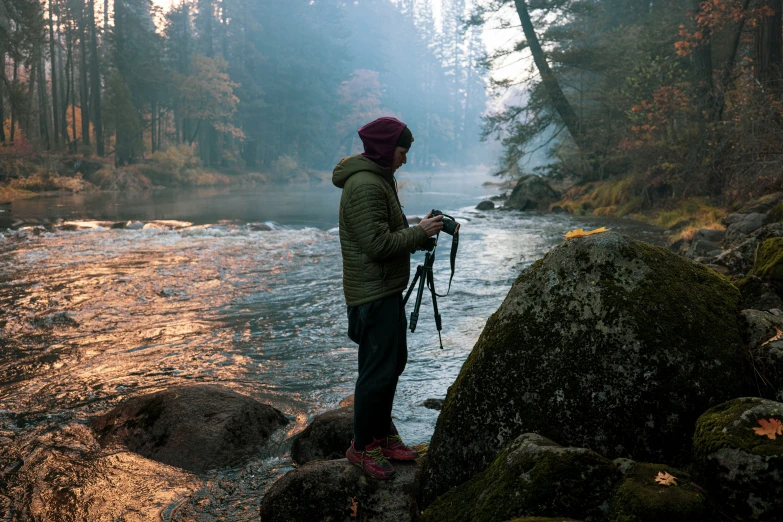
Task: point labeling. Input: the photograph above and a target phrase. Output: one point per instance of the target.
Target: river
(204, 294)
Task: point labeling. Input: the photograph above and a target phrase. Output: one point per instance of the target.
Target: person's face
(400, 158)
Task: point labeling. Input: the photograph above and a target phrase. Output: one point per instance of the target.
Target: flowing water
(236, 287)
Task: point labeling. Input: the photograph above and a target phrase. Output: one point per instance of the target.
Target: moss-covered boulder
(533, 476)
(531, 193)
(768, 265)
(775, 215)
(741, 469)
(757, 294)
(606, 343)
(326, 438)
(640, 498)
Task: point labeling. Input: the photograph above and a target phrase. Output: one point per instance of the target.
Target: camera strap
(452, 260)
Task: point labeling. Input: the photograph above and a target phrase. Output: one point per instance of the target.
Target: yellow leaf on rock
(665, 479)
(777, 337)
(579, 232)
(354, 508)
(771, 428)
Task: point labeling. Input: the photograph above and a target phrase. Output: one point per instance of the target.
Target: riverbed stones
(338, 491)
(196, 428)
(485, 205)
(640, 498)
(326, 438)
(533, 476)
(531, 193)
(607, 343)
(741, 469)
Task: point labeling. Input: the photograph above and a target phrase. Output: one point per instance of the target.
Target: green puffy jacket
(375, 244)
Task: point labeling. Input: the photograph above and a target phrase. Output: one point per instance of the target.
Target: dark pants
(379, 327)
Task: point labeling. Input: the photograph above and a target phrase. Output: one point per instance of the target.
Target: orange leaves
(354, 508)
(664, 479)
(579, 232)
(770, 428)
(778, 336)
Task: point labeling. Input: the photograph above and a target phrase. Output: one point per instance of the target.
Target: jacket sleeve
(367, 217)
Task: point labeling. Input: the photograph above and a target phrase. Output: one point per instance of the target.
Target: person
(376, 243)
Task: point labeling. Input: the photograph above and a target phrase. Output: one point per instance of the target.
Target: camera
(450, 226)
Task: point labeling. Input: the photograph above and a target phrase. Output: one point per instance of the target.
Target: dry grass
(611, 198)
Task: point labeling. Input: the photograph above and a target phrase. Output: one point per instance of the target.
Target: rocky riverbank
(618, 382)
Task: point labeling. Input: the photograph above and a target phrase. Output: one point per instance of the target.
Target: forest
(644, 103)
(274, 86)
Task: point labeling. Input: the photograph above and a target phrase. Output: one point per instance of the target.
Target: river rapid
(236, 287)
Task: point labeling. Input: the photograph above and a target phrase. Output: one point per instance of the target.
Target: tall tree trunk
(706, 86)
(2, 84)
(84, 97)
(95, 85)
(13, 109)
(769, 43)
(728, 68)
(43, 105)
(63, 83)
(27, 126)
(55, 92)
(552, 86)
(152, 125)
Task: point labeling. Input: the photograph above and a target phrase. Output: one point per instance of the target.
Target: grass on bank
(620, 198)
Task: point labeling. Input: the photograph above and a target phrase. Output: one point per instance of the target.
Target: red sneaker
(371, 461)
(393, 448)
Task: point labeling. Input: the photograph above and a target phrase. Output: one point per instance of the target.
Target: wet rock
(758, 294)
(485, 205)
(499, 197)
(58, 319)
(715, 236)
(740, 469)
(120, 225)
(332, 490)
(764, 336)
(196, 428)
(136, 225)
(68, 227)
(434, 404)
(531, 193)
(680, 246)
(738, 231)
(704, 248)
(606, 343)
(732, 218)
(738, 260)
(639, 498)
(679, 225)
(259, 227)
(533, 476)
(326, 438)
(348, 401)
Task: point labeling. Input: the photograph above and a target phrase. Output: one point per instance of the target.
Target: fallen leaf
(778, 336)
(771, 428)
(665, 479)
(354, 508)
(579, 232)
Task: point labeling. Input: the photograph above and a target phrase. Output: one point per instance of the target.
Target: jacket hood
(353, 164)
(379, 138)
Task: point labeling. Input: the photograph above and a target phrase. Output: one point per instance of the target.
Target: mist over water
(94, 316)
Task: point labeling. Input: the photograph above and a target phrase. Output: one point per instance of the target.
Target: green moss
(769, 261)
(532, 476)
(775, 215)
(641, 499)
(730, 425)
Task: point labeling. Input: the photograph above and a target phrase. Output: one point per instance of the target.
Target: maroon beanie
(379, 138)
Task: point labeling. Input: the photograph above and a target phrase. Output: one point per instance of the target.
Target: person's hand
(431, 225)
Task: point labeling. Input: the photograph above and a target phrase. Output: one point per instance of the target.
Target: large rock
(704, 248)
(640, 498)
(607, 343)
(326, 438)
(758, 294)
(738, 231)
(716, 236)
(331, 491)
(485, 205)
(196, 428)
(740, 259)
(742, 470)
(531, 193)
(764, 335)
(533, 476)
